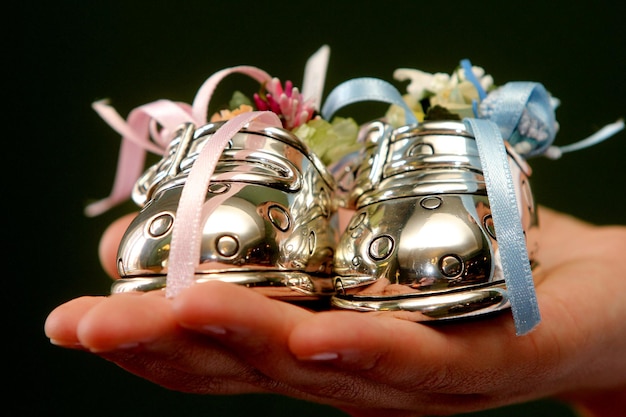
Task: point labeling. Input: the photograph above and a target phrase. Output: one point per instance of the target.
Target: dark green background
(61, 56)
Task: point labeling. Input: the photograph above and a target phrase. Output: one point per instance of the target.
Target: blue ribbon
(365, 89)
(469, 75)
(508, 225)
(508, 105)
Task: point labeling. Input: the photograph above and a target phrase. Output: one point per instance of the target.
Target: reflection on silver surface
(272, 228)
(421, 238)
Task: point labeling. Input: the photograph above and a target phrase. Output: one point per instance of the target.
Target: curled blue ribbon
(518, 103)
(365, 89)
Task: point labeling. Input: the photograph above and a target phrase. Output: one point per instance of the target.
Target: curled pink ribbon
(151, 127)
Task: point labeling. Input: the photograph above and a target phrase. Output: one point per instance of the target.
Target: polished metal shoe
(272, 226)
(421, 242)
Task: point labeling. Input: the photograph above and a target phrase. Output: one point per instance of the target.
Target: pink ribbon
(151, 127)
(185, 246)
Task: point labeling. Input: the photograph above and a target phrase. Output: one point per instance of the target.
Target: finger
(110, 241)
(227, 376)
(136, 331)
(258, 329)
(248, 324)
(408, 365)
(380, 346)
(189, 362)
(238, 313)
(451, 359)
(125, 320)
(61, 324)
(470, 362)
(567, 239)
(554, 230)
(560, 238)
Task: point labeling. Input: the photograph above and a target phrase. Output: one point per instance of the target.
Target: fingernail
(129, 345)
(61, 343)
(322, 356)
(214, 329)
(218, 329)
(123, 346)
(343, 356)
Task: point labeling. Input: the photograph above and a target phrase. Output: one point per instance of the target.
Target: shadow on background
(64, 55)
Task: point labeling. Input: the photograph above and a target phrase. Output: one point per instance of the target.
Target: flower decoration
(523, 111)
(469, 92)
(227, 114)
(286, 102)
(330, 140)
(440, 94)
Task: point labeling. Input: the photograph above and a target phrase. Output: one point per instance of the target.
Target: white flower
(422, 83)
(485, 80)
(454, 92)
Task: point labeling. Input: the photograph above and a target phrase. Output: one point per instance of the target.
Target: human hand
(218, 338)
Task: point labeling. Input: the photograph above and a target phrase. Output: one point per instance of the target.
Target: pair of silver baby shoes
(429, 217)
(420, 239)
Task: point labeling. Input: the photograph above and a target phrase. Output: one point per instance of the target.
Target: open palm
(219, 338)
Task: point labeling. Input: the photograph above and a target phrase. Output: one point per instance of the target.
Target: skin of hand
(219, 338)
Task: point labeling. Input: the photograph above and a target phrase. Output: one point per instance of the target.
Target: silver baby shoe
(271, 227)
(421, 239)
(442, 220)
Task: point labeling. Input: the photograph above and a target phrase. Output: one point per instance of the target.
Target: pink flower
(290, 106)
